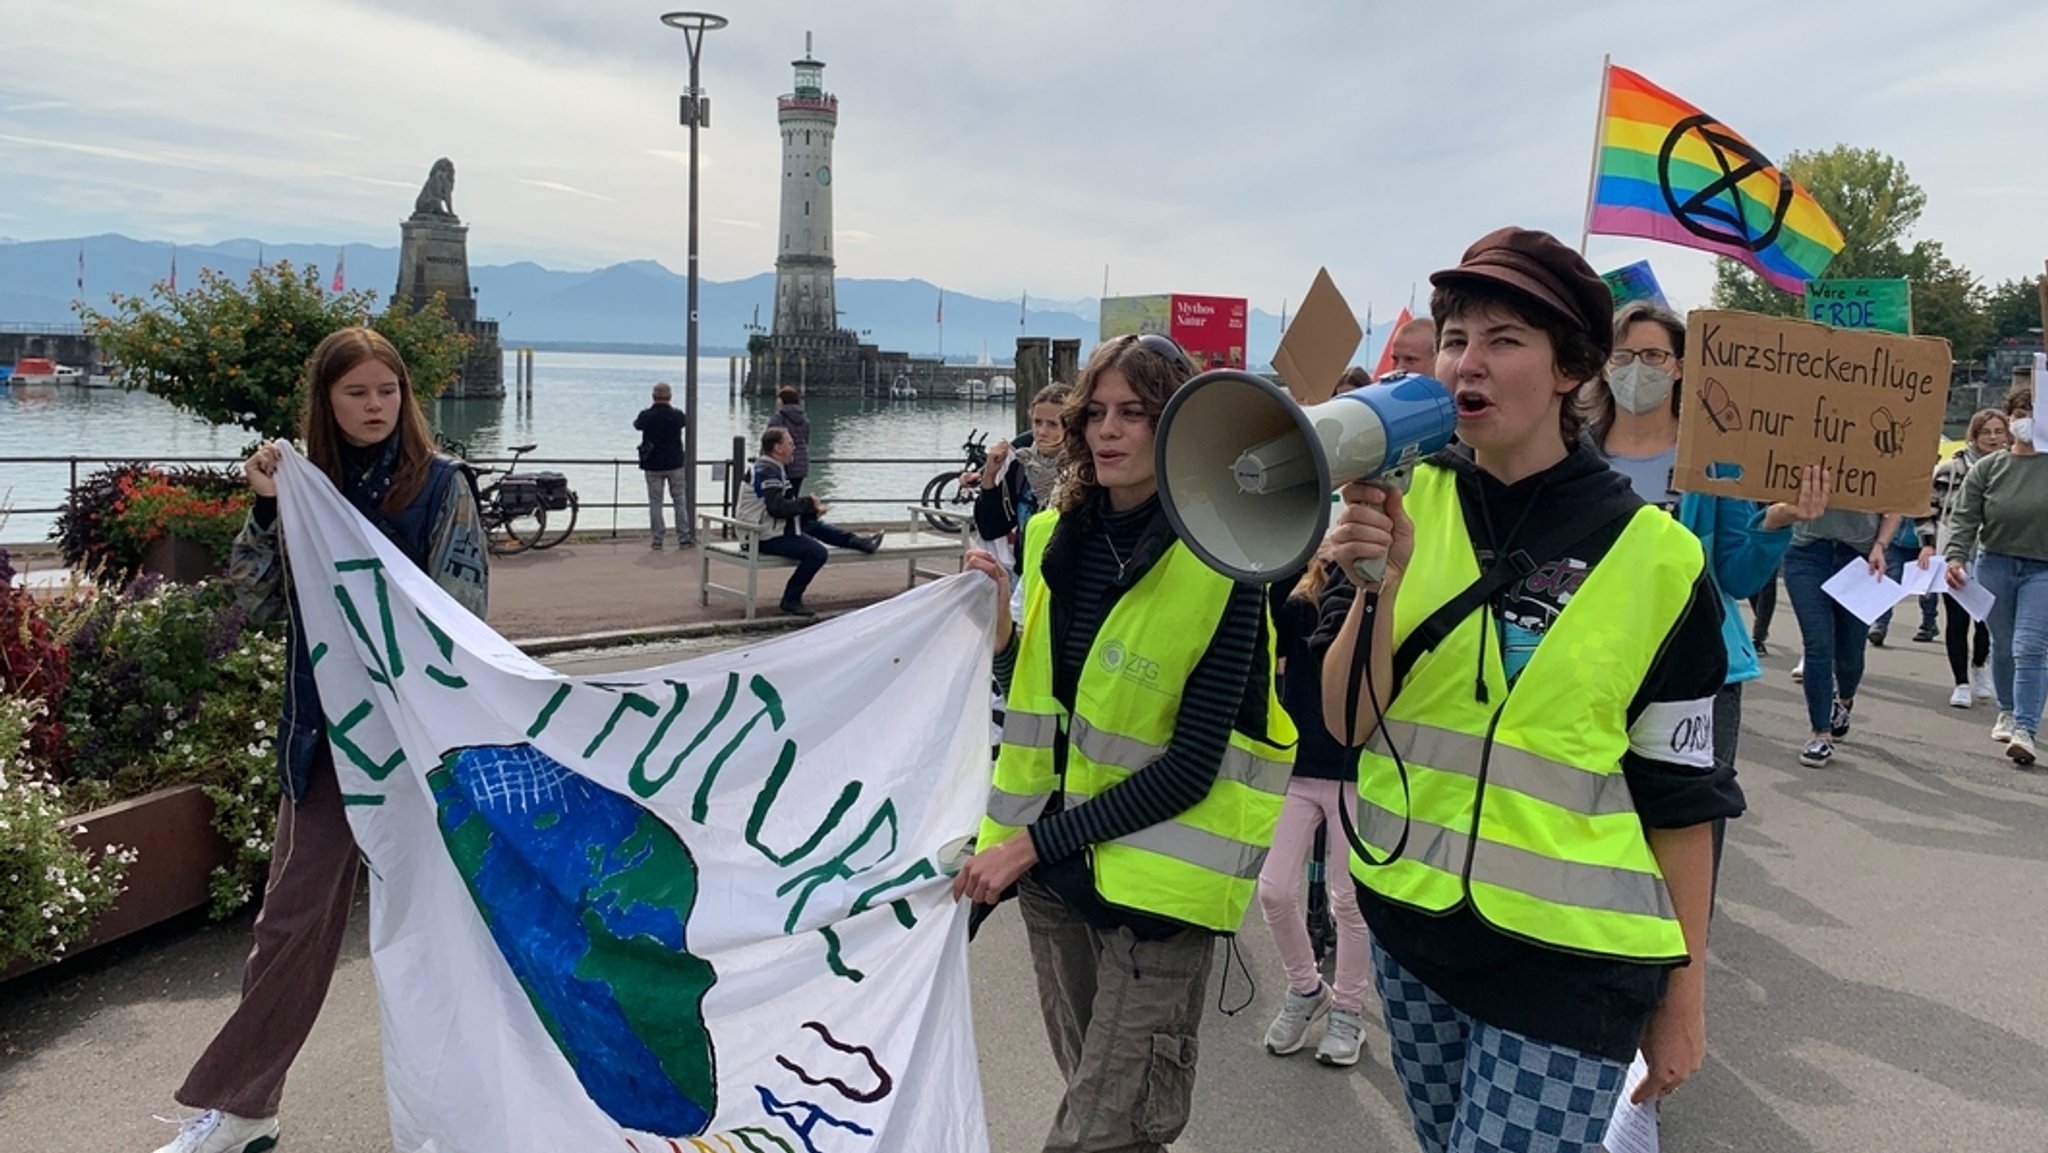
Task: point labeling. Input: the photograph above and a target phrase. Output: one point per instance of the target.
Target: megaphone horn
(1245, 472)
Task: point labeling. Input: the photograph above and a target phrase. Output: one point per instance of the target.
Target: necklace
(1122, 564)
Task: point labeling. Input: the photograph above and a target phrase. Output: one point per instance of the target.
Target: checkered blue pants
(1475, 1088)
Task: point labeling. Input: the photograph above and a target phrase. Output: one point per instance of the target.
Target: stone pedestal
(433, 257)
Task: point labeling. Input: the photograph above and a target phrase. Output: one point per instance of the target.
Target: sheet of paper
(1975, 599)
(1866, 595)
(1932, 579)
(1633, 1129)
(2041, 389)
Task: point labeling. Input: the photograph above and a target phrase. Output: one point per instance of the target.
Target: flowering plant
(53, 888)
(148, 507)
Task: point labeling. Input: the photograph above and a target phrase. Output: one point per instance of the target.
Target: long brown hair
(336, 357)
(1153, 376)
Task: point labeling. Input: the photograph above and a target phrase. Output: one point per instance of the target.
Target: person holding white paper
(1833, 637)
(2004, 512)
(1969, 644)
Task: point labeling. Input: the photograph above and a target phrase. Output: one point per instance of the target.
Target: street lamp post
(696, 113)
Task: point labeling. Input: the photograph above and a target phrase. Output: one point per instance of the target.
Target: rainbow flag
(1669, 172)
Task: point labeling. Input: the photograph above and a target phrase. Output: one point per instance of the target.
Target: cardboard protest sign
(1886, 305)
(1319, 343)
(1766, 396)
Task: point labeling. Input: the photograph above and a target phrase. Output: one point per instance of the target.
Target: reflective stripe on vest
(1517, 805)
(1200, 867)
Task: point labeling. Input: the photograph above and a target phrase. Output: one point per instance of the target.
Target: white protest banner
(698, 907)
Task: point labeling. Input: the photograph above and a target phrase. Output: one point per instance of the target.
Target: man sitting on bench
(790, 524)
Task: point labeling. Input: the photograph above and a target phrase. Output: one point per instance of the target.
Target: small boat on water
(1001, 387)
(42, 370)
(901, 389)
(973, 389)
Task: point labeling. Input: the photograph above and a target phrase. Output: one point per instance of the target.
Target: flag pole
(1593, 170)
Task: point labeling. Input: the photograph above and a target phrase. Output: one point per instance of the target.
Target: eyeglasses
(1654, 357)
(1158, 345)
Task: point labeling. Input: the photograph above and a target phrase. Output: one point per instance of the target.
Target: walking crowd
(1514, 752)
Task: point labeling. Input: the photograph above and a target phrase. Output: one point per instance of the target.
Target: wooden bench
(731, 542)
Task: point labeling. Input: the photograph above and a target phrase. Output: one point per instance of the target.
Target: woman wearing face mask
(1632, 418)
(2004, 513)
(1969, 647)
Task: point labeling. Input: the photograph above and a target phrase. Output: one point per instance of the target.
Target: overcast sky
(992, 147)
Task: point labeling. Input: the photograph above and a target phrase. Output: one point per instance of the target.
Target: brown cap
(1543, 271)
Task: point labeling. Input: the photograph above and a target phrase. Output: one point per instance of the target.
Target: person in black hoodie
(1535, 703)
(791, 416)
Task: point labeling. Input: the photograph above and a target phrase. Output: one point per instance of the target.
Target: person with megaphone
(1531, 680)
(1143, 760)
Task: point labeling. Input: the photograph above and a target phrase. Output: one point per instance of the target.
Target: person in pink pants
(1323, 773)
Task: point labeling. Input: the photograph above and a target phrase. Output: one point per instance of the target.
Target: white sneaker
(2021, 747)
(1799, 670)
(216, 1132)
(1962, 698)
(1980, 679)
(2001, 729)
(1341, 1038)
(1290, 1029)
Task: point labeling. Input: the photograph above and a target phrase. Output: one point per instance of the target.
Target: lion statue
(438, 197)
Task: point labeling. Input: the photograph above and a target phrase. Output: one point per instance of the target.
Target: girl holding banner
(363, 427)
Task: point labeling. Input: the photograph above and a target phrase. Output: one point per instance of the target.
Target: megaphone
(1245, 472)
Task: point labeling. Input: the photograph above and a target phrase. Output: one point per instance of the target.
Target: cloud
(557, 186)
(37, 106)
(1376, 148)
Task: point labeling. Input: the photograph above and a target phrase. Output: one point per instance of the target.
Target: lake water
(583, 408)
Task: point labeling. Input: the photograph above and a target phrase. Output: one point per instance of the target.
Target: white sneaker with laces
(1962, 698)
(2021, 747)
(216, 1132)
(1341, 1038)
(1290, 1029)
(2001, 729)
(1980, 679)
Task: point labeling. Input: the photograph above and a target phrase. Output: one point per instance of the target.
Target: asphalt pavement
(1876, 979)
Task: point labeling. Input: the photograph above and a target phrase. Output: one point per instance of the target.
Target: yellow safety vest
(1519, 807)
(1202, 866)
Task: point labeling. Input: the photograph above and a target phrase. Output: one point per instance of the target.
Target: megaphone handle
(1372, 572)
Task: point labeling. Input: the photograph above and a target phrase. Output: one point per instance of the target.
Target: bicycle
(515, 507)
(950, 488)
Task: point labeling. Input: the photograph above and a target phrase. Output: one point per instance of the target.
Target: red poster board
(1210, 328)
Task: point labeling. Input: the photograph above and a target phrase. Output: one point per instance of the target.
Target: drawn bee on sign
(1890, 434)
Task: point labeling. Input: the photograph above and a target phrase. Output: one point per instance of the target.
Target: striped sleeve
(1180, 778)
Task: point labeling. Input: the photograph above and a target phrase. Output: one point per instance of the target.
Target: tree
(2013, 308)
(236, 354)
(1875, 203)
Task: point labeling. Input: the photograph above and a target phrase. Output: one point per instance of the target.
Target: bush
(99, 535)
(237, 354)
(149, 507)
(53, 890)
(35, 665)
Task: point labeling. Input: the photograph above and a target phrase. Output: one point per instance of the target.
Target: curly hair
(1152, 375)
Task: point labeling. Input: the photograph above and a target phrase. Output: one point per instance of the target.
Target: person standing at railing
(661, 462)
(791, 416)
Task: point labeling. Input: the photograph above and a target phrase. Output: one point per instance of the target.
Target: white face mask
(2022, 429)
(1639, 388)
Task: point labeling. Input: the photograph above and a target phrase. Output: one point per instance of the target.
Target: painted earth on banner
(698, 907)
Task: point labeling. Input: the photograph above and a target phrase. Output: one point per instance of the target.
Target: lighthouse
(804, 300)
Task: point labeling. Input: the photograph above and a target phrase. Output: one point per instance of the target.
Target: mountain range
(638, 302)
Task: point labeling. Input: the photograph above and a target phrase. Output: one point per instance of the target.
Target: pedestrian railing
(717, 479)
